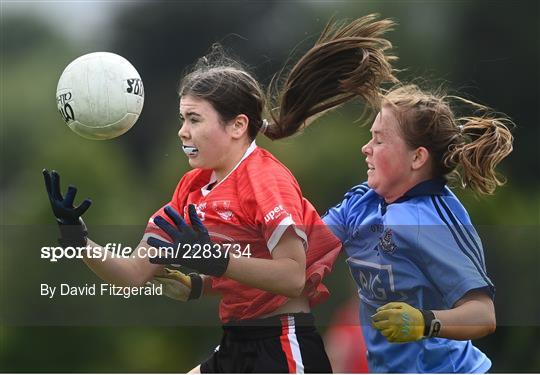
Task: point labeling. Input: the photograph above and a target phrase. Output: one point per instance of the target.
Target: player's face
(388, 158)
(204, 137)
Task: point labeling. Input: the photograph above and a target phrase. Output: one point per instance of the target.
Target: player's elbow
(295, 287)
(491, 329)
(491, 323)
(491, 326)
(484, 330)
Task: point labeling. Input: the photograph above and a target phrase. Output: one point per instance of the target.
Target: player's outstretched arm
(473, 316)
(134, 271)
(284, 274)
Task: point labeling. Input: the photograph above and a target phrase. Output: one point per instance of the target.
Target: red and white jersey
(254, 205)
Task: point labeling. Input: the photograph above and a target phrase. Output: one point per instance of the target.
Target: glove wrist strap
(73, 234)
(432, 325)
(196, 286)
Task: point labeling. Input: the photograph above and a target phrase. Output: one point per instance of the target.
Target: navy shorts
(286, 343)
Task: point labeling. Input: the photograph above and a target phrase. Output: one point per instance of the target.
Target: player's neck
(232, 160)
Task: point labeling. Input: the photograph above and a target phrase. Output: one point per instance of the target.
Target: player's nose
(183, 133)
(366, 149)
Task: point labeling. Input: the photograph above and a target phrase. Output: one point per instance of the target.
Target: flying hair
(349, 60)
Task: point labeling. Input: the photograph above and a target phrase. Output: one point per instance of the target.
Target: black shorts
(286, 343)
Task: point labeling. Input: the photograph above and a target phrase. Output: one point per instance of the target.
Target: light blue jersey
(422, 250)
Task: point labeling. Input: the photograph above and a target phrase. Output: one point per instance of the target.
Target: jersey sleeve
(452, 255)
(275, 202)
(337, 217)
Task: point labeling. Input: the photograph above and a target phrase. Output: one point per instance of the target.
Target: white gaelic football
(100, 95)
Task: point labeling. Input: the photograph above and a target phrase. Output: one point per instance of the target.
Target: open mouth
(190, 150)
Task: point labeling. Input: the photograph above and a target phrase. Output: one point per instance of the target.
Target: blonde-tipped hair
(464, 149)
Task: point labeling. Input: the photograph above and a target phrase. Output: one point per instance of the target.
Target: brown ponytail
(347, 61)
(465, 149)
(484, 142)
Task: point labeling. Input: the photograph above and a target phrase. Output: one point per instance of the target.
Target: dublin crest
(385, 242)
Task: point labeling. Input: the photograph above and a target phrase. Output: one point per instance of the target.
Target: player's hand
(191, 246)
(399, 322)
(72, 228)
(178, 285)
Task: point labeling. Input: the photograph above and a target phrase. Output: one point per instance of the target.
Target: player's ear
(420, 158)
(239, 126)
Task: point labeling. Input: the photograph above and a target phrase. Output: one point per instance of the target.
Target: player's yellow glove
(178, 285)
(400, 322)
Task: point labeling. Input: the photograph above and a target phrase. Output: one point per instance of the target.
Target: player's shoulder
(194, 175)
(433, 209)
(449, 209)
(263, 167)
(261, 157)
(357, 191)
(359, 194)
(356, 200)
(193, 179)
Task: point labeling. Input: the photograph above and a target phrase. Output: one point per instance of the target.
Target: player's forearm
(473, 319)
(282, 276)
(121, 271)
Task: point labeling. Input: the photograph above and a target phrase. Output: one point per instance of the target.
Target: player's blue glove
(72, 228)
(191, 246)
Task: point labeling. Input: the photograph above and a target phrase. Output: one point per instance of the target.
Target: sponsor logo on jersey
(376, 281)
(274, 213)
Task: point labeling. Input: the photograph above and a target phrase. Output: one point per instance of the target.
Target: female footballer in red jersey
(251, 236)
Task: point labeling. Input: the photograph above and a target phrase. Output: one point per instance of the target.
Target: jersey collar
(429, 187)
(205, 191)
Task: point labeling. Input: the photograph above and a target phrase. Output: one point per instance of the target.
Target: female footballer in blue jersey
(412, 249)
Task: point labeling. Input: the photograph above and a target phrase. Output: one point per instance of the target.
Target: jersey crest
(200, 208)
(386, 242)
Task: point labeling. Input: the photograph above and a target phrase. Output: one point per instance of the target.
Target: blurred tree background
(487, 50)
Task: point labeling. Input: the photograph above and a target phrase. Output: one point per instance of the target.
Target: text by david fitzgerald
(101, 289)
